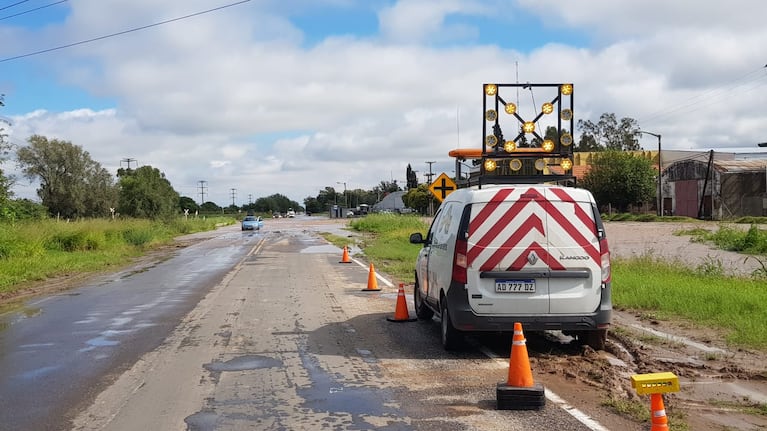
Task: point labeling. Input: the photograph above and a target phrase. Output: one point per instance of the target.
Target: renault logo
(532, 258)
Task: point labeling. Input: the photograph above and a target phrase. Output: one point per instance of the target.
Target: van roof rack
(547, 157)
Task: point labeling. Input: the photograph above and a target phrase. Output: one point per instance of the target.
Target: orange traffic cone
(372, 282)
(400, 311)
(519, 392)
(345, 258)
(658, 413)
(520, 374)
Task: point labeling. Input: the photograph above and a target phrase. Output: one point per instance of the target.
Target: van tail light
(460, 261)
(460, 256)
(605, 254)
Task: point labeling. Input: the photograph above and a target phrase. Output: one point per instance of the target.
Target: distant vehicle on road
(291, 213)
(251, 222)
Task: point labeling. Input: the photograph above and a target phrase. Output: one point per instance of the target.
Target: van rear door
(533, 250)
(507, 252)
(575, 280)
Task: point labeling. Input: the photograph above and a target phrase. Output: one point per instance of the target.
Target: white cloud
(236, 99)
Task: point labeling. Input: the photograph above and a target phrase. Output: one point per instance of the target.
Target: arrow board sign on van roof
(442, 187)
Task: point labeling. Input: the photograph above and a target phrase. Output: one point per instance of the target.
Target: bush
(76, 240)
(137, 237)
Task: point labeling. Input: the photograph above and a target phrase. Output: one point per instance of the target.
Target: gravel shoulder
(661, 240)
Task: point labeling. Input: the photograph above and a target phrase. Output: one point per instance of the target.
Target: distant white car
(291, 213)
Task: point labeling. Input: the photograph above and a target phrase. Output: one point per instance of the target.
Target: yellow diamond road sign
(442, 187)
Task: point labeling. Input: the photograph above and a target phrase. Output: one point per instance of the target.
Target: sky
(237, 100)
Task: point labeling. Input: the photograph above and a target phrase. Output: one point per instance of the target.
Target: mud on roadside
(721, 388)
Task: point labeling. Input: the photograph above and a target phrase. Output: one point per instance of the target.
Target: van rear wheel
(595, 338)
(452, 339)
(422, 311)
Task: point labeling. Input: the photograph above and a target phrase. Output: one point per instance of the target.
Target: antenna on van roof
(528, 157)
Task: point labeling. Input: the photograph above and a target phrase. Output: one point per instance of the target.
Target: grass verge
(668, 289)
(35, 251)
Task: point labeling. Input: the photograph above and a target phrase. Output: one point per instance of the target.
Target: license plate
(515, 286)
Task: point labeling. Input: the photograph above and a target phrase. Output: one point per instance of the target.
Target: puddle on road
(244, 363)
(327, 394)
(40, 372)
(714, 388)
(201, 421)
(15, 312)
(329, 248)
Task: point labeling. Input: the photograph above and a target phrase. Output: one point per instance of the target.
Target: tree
(384, 188)
(210, 207)
(275, 203)
(412, 179)
(313, 205)
(71, 183)
(146, 193)
(5, 181)
(417, 198)
(620, 179)
(187, 203)
(608, 133)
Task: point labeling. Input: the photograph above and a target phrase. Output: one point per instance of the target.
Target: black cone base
(517, 398)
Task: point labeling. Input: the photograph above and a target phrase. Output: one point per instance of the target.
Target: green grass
(750, 241)
(734, 305)
(389, 245)
(639, 411)
(35, 251)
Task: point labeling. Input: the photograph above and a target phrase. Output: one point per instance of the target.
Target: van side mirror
(416, 238)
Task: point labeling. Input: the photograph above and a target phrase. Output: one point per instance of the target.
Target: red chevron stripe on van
(499, 223)
(533, 222)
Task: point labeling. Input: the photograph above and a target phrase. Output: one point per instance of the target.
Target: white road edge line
(554, 398)
(383, 280)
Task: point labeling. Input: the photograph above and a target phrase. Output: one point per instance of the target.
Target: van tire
(595, 338)
(452, 339)
(422, 311)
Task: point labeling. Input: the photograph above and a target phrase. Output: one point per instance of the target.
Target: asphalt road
(58, 351)
(253, 331)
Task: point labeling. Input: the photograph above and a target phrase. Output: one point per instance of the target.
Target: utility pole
(431, 198)
(660, 172)
(234, 193)
(128, 160)
(250, 199)
(430, 174)
(203, 185)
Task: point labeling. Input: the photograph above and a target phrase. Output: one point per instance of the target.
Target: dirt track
(631, 239)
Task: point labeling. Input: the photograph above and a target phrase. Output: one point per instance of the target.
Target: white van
(528, 253)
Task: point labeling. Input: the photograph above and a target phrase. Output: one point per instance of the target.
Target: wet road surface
(59, 350)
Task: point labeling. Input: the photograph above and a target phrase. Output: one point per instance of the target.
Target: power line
(32, 10)
(694, 103)
(14, 4)
(123, 32)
